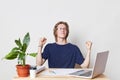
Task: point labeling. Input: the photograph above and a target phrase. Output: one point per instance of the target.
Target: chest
(61, 52)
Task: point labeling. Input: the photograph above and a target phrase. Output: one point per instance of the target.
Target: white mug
(32, 73)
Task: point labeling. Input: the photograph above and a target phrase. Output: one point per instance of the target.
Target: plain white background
(94, 20)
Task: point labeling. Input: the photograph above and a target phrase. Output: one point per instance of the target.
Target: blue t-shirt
(62, 56)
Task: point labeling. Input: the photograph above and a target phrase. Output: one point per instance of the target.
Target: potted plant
(20, 53)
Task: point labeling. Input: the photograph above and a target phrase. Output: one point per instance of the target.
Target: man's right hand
(42, 41)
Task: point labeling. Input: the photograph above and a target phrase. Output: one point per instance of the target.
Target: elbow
(84, 65)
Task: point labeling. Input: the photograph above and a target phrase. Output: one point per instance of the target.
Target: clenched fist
(89, 45)
(42, 41)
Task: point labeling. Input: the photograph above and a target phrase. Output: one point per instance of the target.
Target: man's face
(61, 31)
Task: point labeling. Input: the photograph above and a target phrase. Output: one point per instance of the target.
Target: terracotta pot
(23, 71)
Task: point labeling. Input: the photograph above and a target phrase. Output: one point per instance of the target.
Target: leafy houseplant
(20, 53)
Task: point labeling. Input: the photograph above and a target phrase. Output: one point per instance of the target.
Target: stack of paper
(58, 72)
(64, 71)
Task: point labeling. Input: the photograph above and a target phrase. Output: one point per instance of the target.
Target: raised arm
(39, 59)
(86, 62)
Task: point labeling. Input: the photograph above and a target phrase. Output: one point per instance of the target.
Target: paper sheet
(58, 72)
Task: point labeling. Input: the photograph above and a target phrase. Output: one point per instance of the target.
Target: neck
(61, 41)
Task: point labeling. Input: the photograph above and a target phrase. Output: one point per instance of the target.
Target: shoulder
(73, 46)
(50, 44)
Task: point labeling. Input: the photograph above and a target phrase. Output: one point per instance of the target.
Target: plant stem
(24, 62)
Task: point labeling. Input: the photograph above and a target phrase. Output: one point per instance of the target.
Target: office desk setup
(47, 74)
(73, 74)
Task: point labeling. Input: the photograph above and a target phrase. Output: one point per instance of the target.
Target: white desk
(41, 76)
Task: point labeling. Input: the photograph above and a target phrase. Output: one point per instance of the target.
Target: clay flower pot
(23, 71)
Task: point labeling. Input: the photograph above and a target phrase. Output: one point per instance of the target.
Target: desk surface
(41, 76)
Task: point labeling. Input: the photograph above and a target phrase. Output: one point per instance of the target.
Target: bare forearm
(86, 62)
(39, 60)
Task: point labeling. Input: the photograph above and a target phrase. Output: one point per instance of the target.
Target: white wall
(95, 20)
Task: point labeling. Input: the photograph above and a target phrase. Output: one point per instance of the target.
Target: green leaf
(32, 54)
(13, 54)
(26, 39)
(24, 47)
(15, 49)
(18, 43)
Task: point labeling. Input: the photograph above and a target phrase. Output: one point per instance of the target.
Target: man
(62, 54)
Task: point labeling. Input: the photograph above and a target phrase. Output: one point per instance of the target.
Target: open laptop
(99, 67)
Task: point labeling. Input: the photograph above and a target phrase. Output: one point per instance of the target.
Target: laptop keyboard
(86, 74)
(82, 73)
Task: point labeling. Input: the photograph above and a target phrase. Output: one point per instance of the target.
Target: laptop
(98, 69)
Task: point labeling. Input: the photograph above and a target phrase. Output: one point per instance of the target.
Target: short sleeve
(79, 57)
(45, 52)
